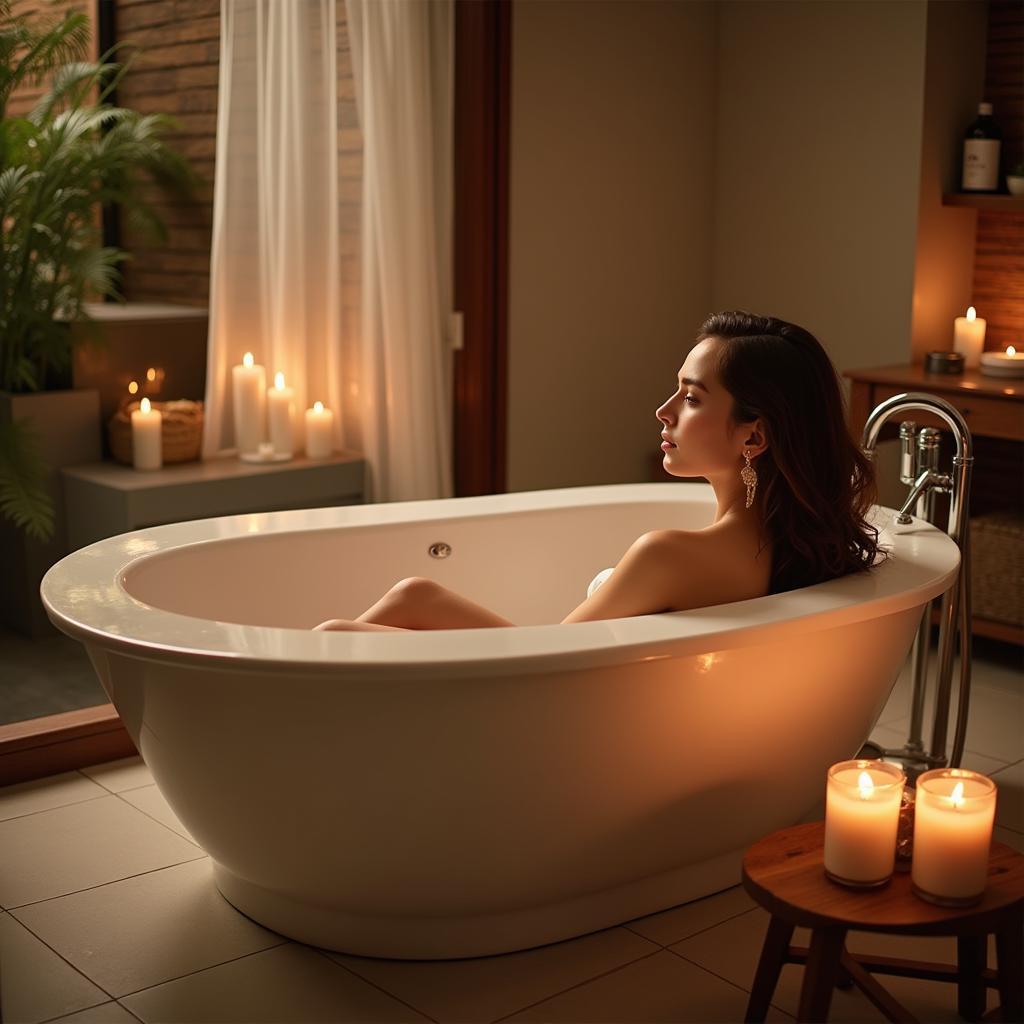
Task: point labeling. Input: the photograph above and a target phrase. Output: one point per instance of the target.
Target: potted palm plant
(72, 153)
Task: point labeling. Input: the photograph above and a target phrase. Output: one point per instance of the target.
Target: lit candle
(1003, 364)
(281, 416)
(250, 395)
(862, 808)
(147, 428)
(969, 337)
(319, 431)
(954, 812)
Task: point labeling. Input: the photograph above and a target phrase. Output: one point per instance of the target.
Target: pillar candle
(862, 807)
(147, 443)
(281, 416)
(250, 387)
(319, 431)
(953, 817)
(969, 337)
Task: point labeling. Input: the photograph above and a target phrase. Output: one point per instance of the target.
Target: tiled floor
(110, 915)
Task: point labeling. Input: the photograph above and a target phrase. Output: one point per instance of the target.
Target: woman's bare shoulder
(715, 566)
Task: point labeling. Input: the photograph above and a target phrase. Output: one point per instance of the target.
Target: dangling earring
(749, 476)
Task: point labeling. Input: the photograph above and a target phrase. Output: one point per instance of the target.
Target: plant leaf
(23, 496)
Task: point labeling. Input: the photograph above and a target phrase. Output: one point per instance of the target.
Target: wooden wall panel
(999, 242)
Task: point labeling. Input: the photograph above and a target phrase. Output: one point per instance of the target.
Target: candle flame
(279, 381)
(133, 387)
(151, 374)
(318, 407)
(970, 313)
(1010, 350)
(957, 796)
(865, 785)
(145, 408)
(247, 359)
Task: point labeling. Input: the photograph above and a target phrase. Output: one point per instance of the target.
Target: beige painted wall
(818, 169)
(671, 159)
(954, 81)
(610, 230)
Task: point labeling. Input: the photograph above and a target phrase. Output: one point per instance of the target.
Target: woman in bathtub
(758, 412)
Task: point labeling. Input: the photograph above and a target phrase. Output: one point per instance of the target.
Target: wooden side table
(785, 874)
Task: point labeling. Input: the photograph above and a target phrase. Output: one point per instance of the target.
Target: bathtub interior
(532, 567)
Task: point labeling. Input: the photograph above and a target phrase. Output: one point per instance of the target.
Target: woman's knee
(416, 589)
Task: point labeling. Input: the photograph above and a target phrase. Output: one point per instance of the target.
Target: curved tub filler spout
(919, 469)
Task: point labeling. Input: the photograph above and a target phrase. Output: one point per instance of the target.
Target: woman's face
(697, 420)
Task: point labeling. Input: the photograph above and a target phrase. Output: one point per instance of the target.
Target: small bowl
(1015, 183)
(943, 362)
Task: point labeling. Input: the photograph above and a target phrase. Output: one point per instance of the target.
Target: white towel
(599, 579)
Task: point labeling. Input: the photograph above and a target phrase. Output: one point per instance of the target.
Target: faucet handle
(908, 454)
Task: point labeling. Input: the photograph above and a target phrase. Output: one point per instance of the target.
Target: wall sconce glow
(133, 387)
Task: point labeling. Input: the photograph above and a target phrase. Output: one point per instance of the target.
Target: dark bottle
(981, 153)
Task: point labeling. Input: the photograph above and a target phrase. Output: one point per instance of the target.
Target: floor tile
(150, 800)
(117, 776)
(142, 931)
(105, 1013)
(1010, 796)
(678, 923)
(489, 987)
(1010, 837)
(35, 982)
(45, 794)
(661, 987)
(996, 714)
(280, 985)
(731, 950)
(53, 853)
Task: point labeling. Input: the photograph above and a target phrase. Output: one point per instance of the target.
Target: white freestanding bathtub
(463, 792)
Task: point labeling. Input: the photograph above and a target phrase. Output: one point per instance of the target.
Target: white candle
(862, 809)
(954, 811)
(319, 431)
(969, 337)
(147, 443)
(250, 386)
(1003, 364)
(281, 416)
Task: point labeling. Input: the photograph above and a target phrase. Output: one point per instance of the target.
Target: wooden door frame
(483, 35)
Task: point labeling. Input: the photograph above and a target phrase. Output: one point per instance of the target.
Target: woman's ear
(755, 442)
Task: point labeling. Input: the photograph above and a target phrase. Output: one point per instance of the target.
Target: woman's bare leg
(419, 603)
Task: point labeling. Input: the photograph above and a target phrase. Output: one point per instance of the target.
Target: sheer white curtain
(288, 253)
(274, 269)
(402, 58)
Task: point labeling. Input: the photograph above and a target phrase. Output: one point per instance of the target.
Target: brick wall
(176, 46)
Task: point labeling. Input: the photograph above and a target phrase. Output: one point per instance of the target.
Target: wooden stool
(785, 873)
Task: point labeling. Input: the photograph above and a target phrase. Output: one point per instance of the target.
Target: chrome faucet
(919, 469)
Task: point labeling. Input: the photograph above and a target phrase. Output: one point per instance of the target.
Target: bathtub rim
(925, 563)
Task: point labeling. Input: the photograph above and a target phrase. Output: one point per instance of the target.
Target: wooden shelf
(985, 201)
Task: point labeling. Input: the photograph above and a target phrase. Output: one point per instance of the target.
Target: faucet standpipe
(919, 469)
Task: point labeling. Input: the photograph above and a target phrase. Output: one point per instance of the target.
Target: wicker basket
(997, 567)
(181, 431)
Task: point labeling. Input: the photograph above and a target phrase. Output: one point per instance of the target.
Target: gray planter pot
(67, 425)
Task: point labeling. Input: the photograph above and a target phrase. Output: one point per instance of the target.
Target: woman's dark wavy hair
(814, 485)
